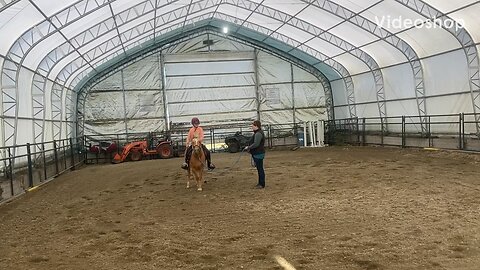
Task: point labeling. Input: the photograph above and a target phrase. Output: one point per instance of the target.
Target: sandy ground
(332, 208)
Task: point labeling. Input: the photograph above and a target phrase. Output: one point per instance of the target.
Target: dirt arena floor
(331, 208)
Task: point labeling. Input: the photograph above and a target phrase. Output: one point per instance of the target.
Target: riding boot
(208, 158)
(188, 154)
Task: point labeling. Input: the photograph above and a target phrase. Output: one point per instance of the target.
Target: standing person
(196, 132)
(257, 150)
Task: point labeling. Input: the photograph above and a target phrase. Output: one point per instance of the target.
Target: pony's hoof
(188, 186)
(199, 189)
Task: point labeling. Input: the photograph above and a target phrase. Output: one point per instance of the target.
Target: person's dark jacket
(257, 143)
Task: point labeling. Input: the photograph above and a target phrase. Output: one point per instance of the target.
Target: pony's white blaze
(283, 263)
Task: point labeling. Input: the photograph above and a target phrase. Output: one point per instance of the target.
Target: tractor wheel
(233, 147)
(165, 151)
(135, 156)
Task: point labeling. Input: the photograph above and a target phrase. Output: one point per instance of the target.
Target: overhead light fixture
(225, 29)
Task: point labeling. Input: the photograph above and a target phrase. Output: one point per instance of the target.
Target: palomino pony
(197, 164)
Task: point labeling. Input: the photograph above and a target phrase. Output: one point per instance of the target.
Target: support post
(72, 155)
(10, 169)
(30, 167)
(55, 156)
(305, 134)
(310, 130)
(364, 132)
(257, 83)
(403, 132)
(44, 161)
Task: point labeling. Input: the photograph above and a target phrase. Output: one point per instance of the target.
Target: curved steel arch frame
(54, 24)
(343, 72)
(163, 44)
(63, 18)
(22, 46)
(468, 46)
(72, 13)
(336, 65)
(378, 77)
(385, 35)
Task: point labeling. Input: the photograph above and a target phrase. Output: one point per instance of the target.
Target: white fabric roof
(71, 18)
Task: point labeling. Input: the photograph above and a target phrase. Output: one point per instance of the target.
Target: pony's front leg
(189, 177)
(199, 178)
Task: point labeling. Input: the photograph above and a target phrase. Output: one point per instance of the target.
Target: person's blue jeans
(260, 170)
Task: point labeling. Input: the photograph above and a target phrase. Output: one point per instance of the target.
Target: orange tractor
(138, 150)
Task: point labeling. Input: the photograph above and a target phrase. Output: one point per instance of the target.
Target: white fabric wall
(218, 86)
(446, 88)
(279, 93)
(105, 112)
(24, 108)
(210, 85)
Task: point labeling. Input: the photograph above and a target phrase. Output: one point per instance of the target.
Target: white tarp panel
(273, 69)
(390, 10)
(327, 48)
(106, 105)
(339, 95)
(365, 90)
(351, 33)
(144, 74)
(319, 17)
(191, 85)
(230, 80)
(14, 21)
(402, 107)
(448, 6)
(428, 42)
(351, 63)
(397, 87)
(220, 118)
(277, 117)
(368, 110)
(26, 136)
(384, 55)
(300, 36)
(314, 114)
(104, 127)
(211, 107)
(113, 82)
(142, 104)
(25, 93)
(206, 94)
(264, 21)
(355, 6)
(309, 95)
(275, 96)
(469, 17)
(145, 125)
(50, 7)
(300, 75)
(290, 7)
(446, 73)
(450, 104)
